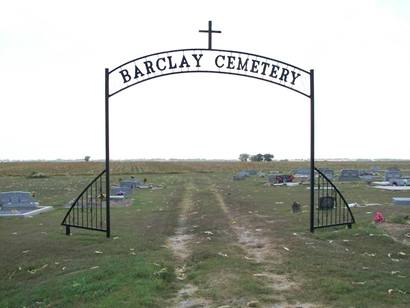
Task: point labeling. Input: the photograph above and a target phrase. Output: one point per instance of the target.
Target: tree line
(257, 157)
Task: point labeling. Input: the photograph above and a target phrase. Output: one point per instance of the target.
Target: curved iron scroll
(87, 211)
(331, 208)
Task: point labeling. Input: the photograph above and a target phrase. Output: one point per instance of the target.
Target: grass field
(202, 241)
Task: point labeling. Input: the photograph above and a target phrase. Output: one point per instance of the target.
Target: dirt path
(181, 246)
(180, 242)
(262, 250)
(256, 246)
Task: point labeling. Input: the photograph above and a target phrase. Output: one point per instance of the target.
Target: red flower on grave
(378, 217)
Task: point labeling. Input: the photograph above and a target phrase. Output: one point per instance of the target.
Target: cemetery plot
(20, 203)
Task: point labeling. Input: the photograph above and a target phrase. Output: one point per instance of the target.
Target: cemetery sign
(209, 61)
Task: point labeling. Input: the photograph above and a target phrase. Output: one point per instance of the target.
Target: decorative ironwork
(331, 208)
(89, 210)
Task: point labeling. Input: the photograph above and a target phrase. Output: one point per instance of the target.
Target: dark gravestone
(17, 200)
(392, 173)
(327, 203)
(349, 175)
(296, 207)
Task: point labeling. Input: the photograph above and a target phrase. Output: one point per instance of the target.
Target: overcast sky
(53, 55)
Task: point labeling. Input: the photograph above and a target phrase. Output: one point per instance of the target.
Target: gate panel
(330, 208)
(88, 210)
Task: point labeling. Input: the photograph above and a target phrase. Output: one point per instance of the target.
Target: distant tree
(267, 157)
(87, 158)
(244, 157)
(257, 157)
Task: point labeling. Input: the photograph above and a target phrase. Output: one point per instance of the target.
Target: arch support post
(107, 152)
(312, 151)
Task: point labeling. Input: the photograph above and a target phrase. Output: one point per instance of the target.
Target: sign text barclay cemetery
(211, 61)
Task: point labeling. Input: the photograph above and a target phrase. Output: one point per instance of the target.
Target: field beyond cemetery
(203, 240)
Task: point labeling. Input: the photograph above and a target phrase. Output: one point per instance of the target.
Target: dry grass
(237, 235)
(55, 168)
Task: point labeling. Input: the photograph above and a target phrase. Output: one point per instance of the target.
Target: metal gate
(89, 210)
(330, 207)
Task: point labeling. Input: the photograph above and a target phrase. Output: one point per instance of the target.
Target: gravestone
(20, 203)
(392, 173)
(329, 173)
(261, 174)
(280, 178)
(243, 173)
(120, 191)
(131, 184)
(138, 181)
(375, 169)
(366, 175)
(327, 203)
(399, 182)
(349, 175)
(18, 200)
(301, 172)
(401, 201)
(296, 207)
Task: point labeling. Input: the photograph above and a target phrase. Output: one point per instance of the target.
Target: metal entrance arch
(87, 210)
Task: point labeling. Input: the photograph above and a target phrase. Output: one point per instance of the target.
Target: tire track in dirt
(261, 250)
(180, 244)
(257, 247)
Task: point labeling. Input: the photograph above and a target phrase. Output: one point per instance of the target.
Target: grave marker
(20, 203)
(349, 175)
(120, 191)
(392, 173)
(329, 173)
